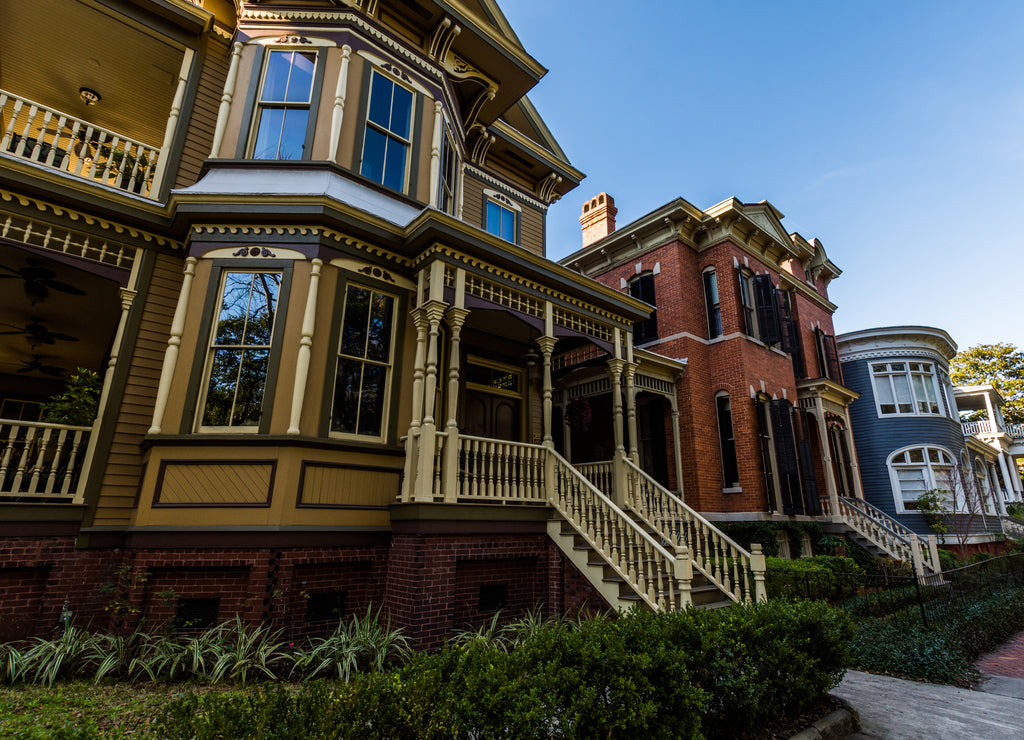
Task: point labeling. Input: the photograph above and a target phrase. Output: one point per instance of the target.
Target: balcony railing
(972, 428)
(41, 461)
(1015, 430)
(61, 142)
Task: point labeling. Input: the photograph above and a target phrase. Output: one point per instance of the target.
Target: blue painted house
(910, 438)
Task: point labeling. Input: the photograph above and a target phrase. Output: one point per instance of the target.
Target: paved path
(1007, 660)
(894, 709)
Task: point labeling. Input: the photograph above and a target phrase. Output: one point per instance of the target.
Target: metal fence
(869, 595)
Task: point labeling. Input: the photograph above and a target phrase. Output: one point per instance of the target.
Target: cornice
(827, 389)
(536, 149)
(441, 250)
(791, 281)
(315, 231)
(881, 354)
(102, 223)
(897, 341)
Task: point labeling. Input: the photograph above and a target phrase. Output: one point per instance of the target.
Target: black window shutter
(835, 372)
(812, 504)
(767, 309)
(643, 288)
(785, 457)
(790, 333)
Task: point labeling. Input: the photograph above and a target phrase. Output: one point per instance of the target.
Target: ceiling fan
(36, 365)
(37, 333)
(39, 280)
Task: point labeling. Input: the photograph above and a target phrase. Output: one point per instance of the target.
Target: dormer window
(388, 130)
(282, 124)
(501, 216)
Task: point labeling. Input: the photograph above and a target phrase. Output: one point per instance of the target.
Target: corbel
(442, 38)
(481, 146)
(546, 188)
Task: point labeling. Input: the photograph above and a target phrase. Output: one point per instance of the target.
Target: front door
(493, 400)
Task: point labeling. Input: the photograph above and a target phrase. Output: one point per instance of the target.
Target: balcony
(42, 462)
(986, 427)
(59, 141)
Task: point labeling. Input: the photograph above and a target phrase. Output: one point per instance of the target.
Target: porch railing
(972, 428)
(886, 533)
(601, 474)
(1015, 430)
(720, 559)
(510, 472)
(41, 461)
(656, 575)
(59, 141)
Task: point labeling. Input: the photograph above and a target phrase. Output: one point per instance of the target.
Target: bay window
(905, 388)
(387, 137)
(283, 107)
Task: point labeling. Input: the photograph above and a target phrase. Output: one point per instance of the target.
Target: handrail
(898, 543)
(75, 145)
(649, 568)
(495, 469)
(711, 550)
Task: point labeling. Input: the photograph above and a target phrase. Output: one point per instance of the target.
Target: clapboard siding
(203, 121)
(531, 230)
(121, 474)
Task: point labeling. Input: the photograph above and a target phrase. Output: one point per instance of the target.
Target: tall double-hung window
(917, 470)
(387, 139)
(240, 347)
(447, 174)
(282, 118)
(642, 287)
(905, 388)
(712, 303)
(365, 360)
(727, 440)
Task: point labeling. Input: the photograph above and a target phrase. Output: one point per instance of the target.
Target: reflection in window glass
(501, 221)
(283, 112)
(388, 128)
(364, 362)
(240, 352)
(919, 470)
(905, 388)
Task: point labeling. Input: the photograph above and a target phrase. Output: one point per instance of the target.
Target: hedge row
(688, 674)
(959, 634)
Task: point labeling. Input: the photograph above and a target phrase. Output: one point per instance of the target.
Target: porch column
(225, 100)
(991, 414)
(419, 318)
(1006, 475)
(630, 373)
(163, 391)
(172, 122)
(826, 456)
(339, 103)
(547, 346)
(428, 430)
(305, 348)
(127, 298)
(992, 478)
(456, 318)
(1018, 487)
(858, 489)
(677, 447)
(615, 367)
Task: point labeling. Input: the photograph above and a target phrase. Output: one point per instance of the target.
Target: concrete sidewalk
(891, 708)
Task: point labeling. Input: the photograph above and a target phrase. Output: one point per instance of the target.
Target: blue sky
(891, 131)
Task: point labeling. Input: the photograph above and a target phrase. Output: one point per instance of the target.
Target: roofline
(893, 332)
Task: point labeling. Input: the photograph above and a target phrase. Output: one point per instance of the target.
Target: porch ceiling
(52, 316)
(51, 48)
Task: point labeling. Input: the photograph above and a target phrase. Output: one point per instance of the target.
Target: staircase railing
(658, 577)
(722, 561)
(601, 474)
(886, 533)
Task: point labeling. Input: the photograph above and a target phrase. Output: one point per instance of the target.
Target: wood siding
(236, 483)
(199, 137)
(473, 201)
(531, 220)
(531, 230)
(124, 465)
(341, 485)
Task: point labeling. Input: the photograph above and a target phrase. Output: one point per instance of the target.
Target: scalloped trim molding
(491, 179)
(272, 231)
(878, 354)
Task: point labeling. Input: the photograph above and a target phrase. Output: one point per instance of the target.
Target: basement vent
(325, 607)
(196, 614)
(493, 597)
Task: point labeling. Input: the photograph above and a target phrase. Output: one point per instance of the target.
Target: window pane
(493, 218)
(903, 397)
(508, 225)
(912, 482)
(886, 402)
(401, 112)
(262, 308)
(378, 345)
(357, 311)
(394, 167)
(346, 396)
(897, 366)
(234, 308)
(371, 399)
(268, 134)
(878, 368)
(301, 83)
(252, 380)
(915, 456)
(220, 392)
(293, 133)
(380, 100)
(373, 155)
(275, 85)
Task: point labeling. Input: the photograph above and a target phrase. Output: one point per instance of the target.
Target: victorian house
(302, 244)
(760, 426)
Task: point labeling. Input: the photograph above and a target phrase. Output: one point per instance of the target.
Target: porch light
(89, 96)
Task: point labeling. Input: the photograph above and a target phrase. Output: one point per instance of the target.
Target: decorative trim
(291, 40)
(276, 231)
(373, 271)
(502, 199)
(395, 71)
(539, 205)
(157, 488)
(90, 220)
(300, 504)
(878, 354)
(250, 253)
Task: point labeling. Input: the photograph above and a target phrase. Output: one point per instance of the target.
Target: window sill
(733, 489)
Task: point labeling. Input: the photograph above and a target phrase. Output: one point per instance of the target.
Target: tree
(1000, 365)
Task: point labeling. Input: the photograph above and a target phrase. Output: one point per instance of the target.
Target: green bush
(686, 674)
(943, 653)
(818, 577)
(948, 560)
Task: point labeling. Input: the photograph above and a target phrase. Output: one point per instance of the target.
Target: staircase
(657, 551)
(880, 534)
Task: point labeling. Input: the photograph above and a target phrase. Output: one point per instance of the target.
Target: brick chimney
(598, 218)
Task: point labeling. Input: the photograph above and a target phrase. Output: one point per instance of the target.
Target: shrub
(948, 560)
(818, 577)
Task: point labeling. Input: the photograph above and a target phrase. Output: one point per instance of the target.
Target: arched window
(914, 470)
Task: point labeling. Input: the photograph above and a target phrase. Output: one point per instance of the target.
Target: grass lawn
(116, 710)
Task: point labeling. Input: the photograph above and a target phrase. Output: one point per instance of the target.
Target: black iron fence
(869, 595)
